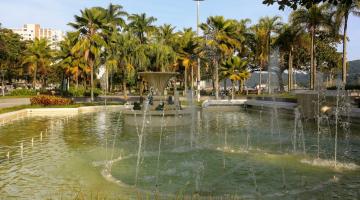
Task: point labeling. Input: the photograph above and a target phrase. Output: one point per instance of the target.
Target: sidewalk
(11, 102)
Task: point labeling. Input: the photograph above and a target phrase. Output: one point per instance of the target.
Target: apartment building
(32, 31)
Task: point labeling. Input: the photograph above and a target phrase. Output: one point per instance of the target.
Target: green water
(248, 155)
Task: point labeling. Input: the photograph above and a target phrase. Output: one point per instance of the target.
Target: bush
(347, 87)
(46, 100)
(97, 92)
(23, 92)
(77, 92)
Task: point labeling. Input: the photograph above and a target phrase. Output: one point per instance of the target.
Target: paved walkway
(11, 102)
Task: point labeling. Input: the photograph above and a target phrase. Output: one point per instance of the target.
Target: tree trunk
(269, 67)
(216, 79)
(124, 84)
(344, 60)
(280, 79)
(290, 71)
(192, 81)
(241, 86)
(91, 80)
(260, 81)
(185, 82)
(312, 60)
(233, 90)
(34, 78)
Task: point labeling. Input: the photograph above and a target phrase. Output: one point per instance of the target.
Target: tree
(260, 49)
(188, 49)
(290, 38)
(313, 19)
(38, 59)
(342, 14)
(114, 23)
(11, 54)
(141, 25)
(270, 24)
(294, 4)
(90, 42)
(235, 69)
(71, 63)
(221, 42)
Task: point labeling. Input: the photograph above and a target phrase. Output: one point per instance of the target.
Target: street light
(198, 79)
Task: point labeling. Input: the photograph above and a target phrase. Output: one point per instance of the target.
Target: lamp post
(198, 79)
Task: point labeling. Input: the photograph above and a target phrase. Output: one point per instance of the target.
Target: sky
(180, 13)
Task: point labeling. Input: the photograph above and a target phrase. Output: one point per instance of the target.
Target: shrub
(97, 92)
(46, 100)
(347, 87)
(77, 92)
(23, 92)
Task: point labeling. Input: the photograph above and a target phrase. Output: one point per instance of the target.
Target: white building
(32, 31)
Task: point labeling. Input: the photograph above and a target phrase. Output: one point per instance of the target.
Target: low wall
(52, 112)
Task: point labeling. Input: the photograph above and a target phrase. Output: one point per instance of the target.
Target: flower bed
(46, 100)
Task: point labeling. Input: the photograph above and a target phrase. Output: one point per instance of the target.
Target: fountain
(158, 105)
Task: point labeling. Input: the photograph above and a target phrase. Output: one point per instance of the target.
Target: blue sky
(180, 13)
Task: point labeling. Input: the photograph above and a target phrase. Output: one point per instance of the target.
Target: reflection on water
(243, 154)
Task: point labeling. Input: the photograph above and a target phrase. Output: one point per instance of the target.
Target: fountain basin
(155, 118)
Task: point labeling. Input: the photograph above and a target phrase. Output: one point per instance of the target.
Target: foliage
(23, 92)
(294, 4)
(77, 92)
(49, 100)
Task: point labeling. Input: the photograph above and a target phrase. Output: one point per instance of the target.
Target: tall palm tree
(290, 38)
(89, 24)
(188, 49)
(313, 19)
(71, 63)
(38, 58)
(260, 50)
(221, 39)
(141, 25)
(166, 34)
(270, 24)
(342, 14)
(235, 69)
(129, 53)
(114, 22)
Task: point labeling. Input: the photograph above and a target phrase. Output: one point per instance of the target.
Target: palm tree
(290, 38)
(129, 53)
(260, 50)
(114, 22)
(313, 19)
(90, 42)
(37, 58)
(166, 35)
(235, 70)
(342, 14)
(188, 49)
(221, 40)
(270, 24)
(71, 63)
(141, 25)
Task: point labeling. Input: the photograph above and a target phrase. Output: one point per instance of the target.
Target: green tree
(270, 25)
(294, 4)
(38, 58)
(142, 26)
(89, 24)
(221, 42)
(313, 19)
(342, 14)
(290, 38)
(235, 69)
